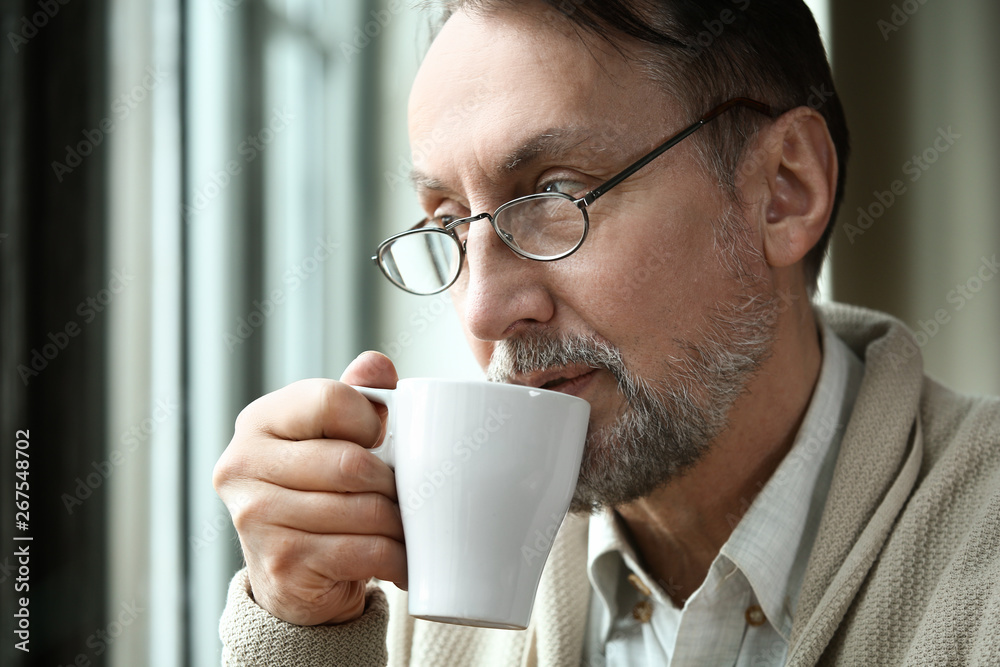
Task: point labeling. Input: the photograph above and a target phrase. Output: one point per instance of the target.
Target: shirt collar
(771, 543)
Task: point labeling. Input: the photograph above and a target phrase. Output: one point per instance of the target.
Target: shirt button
(643, 611)
(755, 615)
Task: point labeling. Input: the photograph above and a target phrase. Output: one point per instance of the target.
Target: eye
(440, 221)
(565, 186)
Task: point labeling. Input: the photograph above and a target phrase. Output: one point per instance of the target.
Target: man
(764, 482)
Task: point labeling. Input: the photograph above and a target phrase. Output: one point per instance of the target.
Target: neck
(680, 528)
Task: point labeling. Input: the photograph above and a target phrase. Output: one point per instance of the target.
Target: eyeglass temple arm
(592, 196)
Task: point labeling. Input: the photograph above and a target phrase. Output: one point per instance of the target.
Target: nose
(498, 290)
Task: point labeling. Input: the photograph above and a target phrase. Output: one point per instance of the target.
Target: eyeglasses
(547, 226)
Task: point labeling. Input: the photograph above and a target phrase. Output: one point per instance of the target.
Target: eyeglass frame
(581, 202)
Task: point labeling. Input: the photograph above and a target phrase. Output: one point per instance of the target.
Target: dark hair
(705, 52)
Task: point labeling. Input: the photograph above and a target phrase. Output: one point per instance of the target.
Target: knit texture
(251, 636)
(906, 566)
(905, 569)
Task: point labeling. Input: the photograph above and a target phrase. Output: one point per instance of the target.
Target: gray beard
(666, 424)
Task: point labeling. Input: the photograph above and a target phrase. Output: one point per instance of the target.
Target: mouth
(568, 380)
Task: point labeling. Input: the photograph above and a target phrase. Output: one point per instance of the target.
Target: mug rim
(502, 386)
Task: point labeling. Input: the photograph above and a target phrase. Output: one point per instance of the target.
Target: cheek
(647, 279)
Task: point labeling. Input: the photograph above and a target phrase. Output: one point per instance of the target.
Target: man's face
(664, 308)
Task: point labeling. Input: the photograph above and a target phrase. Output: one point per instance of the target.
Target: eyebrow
(553, 142)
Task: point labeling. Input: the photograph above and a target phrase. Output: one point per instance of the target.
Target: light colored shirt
(742, 613)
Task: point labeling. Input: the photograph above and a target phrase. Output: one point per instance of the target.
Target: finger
(353, 557)
(322, 513)
(371, 369)
(316, 465)
(293, 557)
(316, 408)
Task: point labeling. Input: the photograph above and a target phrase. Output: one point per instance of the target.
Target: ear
(794, 184)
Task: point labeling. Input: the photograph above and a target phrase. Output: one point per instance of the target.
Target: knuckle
(282, 579)
(220, 473)
(284, 555)
(378, 551)
(373, 509)
(376, 510)
(354, 464)
(253, 510)
(329, 398)
(248, 419)
(230, 466)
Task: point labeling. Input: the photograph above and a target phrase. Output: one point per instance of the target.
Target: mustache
(536, 351)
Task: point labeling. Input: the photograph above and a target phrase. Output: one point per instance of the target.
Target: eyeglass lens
(422, 262)
(542, 227)
(538, 227)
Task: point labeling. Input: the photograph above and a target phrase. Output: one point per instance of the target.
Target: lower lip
(576, 386)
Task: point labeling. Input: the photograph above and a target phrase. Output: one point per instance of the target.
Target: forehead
(495, 81)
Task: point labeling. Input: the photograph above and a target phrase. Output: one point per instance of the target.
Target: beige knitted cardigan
(905, 569)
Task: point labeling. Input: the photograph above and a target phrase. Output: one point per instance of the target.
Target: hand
(317, 514)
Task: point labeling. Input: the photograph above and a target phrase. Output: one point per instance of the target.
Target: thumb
(371, 369)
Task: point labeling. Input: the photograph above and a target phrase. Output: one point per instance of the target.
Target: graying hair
(769, 50)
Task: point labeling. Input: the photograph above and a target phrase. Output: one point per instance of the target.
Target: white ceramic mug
(485, 473)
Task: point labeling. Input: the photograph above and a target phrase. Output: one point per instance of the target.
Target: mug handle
(387, 450)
